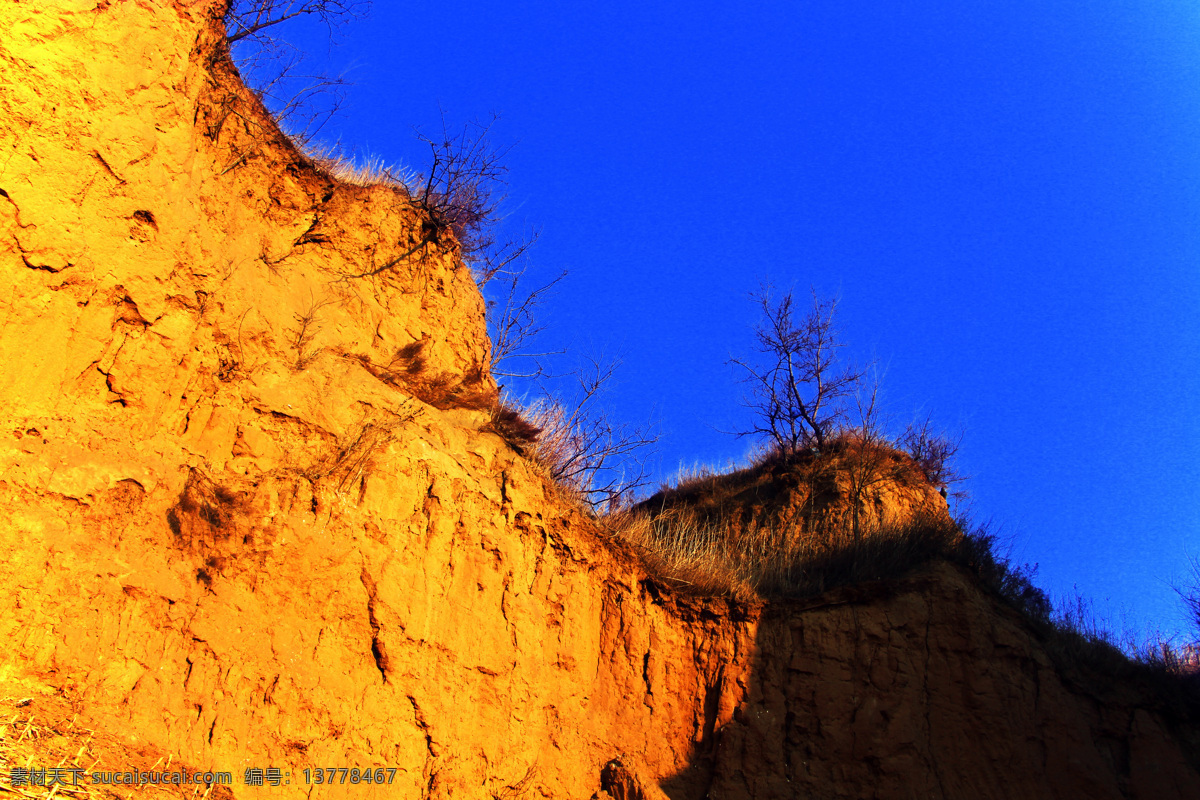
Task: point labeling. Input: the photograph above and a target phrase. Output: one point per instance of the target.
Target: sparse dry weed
(371, 171)
(715, 556)
(46, 752)
(306, 330)
(358, 453)
(408, 370)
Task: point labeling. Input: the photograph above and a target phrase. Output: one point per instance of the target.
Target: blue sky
(1004, 196)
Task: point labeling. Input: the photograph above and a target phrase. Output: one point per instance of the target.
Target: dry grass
(557, 445)
(39, 735)
(816, 493)
(746, 561)
(373, 171)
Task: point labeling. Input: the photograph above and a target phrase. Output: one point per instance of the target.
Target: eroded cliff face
(236, 534)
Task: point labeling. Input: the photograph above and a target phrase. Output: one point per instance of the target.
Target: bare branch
(587, 451)
(1190, 594)
(248, 18)
(272, 67)
(515, 326)
(797, 393)
(460, 193)
(934, 452)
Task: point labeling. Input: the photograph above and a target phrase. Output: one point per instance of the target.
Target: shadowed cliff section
(242, 530)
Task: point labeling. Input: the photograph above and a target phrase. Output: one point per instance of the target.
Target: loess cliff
(253, 513)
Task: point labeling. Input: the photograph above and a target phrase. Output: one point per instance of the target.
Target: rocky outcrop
(253, 514)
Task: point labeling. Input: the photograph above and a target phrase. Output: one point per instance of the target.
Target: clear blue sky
(1005, 197)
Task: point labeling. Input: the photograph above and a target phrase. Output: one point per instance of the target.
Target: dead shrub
(204, 512)
(460, 197)
(1091, 656)
(585, 450)
(408, 371)
(510, 425)
(934, 452)
(581, 449)
(457, 201)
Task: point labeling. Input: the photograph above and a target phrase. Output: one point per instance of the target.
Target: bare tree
(274, 68)
(798, 392)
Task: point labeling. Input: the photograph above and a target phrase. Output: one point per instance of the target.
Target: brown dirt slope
(240, 531)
